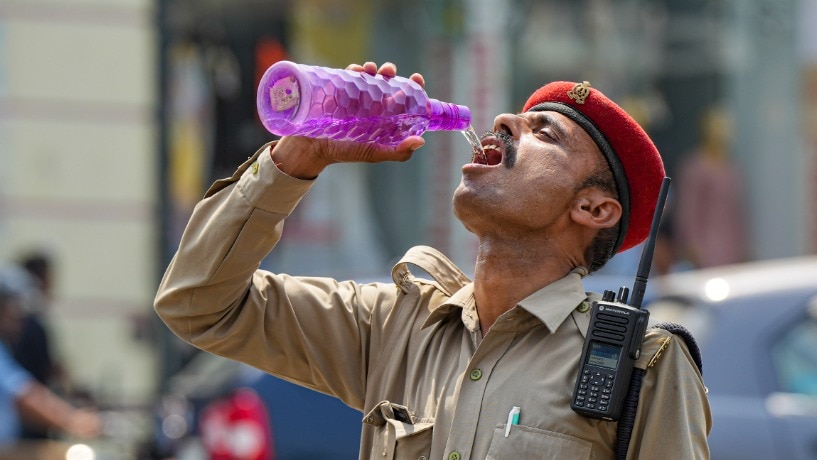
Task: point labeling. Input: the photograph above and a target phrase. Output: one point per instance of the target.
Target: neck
(508, 271)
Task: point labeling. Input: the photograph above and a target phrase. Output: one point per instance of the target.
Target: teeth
(490, 147)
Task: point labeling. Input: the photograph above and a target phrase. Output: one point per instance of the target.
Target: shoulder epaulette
(692, 345)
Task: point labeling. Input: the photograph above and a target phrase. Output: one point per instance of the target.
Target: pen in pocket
(513, 419)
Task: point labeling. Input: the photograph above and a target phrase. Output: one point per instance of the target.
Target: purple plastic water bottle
(303, 100)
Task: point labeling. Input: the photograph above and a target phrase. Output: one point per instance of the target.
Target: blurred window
(794, 357)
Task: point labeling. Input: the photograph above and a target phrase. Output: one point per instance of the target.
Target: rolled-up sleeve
(311, 331)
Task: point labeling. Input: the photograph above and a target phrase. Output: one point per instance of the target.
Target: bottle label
(284, 94)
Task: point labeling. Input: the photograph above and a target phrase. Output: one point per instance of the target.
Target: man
(32, 349)
(22, 397)
(437, 365)
(711, 219)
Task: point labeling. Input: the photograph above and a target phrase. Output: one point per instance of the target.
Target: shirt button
(454, 455)
(476, 374)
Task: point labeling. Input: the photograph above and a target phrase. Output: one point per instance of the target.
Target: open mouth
(493, 148)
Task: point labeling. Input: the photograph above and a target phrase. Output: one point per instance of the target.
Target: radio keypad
(594, 391)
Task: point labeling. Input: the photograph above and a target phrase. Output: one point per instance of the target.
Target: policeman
(438, 366)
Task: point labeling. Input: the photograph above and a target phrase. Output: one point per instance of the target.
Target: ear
(593, 209)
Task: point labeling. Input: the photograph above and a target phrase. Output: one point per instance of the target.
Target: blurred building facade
(78, 161)
(116, 114)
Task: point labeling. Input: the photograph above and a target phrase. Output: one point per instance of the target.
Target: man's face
(536, 161)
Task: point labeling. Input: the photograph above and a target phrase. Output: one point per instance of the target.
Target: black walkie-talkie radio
(614, 338)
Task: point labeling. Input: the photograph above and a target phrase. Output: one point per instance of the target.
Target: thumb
(406, 148)
(374, 153)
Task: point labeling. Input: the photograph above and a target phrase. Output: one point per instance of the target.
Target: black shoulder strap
(626, 423)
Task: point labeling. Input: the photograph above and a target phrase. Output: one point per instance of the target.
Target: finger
(388, 69)
(355, 67)
(418, 78)
(370, 68)
(410, 144)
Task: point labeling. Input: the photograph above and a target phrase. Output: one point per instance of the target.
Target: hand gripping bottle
(303, 100)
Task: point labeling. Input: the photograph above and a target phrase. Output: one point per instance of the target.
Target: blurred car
(756, 325)
(219, 409)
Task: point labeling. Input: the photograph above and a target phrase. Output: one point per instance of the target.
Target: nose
(509, 123)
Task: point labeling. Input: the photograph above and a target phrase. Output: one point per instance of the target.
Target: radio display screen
(603, 355)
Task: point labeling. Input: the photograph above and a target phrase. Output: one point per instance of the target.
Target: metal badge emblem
(579, 92)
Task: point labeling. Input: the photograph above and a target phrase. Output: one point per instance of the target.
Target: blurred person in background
(436, 366)
(32, 350)
(710, 217)
(22, 397)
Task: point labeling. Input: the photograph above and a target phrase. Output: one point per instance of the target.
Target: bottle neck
(445, 116)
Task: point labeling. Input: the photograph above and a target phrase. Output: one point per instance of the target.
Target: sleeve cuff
(270, 189)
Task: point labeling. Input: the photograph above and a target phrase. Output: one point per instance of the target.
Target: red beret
(636, 164)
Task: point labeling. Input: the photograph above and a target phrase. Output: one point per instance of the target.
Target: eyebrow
(548, 119)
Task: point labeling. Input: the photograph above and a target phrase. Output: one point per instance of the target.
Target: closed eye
(547, 127)
(547, 133)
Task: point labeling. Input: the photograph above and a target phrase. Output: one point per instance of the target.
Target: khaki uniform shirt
(410, 356)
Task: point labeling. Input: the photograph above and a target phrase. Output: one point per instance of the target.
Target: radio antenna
(640, 285)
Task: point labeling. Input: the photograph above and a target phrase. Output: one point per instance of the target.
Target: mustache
(509, 158)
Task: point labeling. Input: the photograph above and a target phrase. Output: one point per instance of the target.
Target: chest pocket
(528, 442)
(399, 435)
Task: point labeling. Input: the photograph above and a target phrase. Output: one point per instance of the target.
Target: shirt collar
(462, 299)
(551, 304)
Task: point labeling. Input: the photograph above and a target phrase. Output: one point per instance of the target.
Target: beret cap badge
(579, 92)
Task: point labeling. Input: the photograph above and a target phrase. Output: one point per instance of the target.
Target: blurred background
(115, 116)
